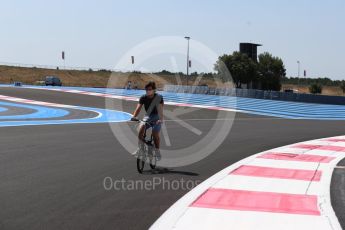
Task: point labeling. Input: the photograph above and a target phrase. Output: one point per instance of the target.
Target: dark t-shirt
(146, 101)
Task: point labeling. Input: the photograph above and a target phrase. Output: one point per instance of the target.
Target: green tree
(271, 71)
(243, 70)
(315, 88)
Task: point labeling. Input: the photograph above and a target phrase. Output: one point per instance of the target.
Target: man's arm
(137, 110)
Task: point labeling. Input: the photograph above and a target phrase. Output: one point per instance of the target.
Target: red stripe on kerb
(83, 92)
(335, 140)
(258, 201)
(215, 108)
(102, 94)
(128, 98)
(281, 173)
(184, 104)
(296, 157)
(321, 147)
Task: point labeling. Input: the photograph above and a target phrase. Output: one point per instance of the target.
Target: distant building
(250, 49)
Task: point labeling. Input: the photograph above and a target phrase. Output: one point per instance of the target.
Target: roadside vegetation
(90, 78)
(315, 88)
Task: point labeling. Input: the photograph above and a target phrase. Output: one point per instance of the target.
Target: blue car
(53, 81)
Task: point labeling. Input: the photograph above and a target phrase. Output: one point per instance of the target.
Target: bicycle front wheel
(141, 159)
(140, 165)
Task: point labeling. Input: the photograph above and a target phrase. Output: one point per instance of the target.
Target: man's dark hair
(151, 84)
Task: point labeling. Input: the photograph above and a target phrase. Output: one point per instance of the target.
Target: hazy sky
(99, 33)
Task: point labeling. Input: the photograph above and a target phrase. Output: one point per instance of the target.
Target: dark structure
(250, 49)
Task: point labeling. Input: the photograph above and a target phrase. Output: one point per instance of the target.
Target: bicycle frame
(146, 152)
(148, 126)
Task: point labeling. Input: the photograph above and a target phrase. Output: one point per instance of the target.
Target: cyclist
(153, 104)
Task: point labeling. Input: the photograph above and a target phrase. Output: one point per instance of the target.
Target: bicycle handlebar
(135, 119)
(146, 122)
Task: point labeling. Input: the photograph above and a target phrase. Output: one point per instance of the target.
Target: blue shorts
(153, 118)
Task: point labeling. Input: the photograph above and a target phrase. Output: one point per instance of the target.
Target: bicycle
(145, 149)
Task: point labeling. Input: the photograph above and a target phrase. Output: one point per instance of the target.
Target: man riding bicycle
(153, 104)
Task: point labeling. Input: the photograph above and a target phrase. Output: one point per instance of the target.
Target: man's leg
(141, 132)
(156, 139)
(140, 139)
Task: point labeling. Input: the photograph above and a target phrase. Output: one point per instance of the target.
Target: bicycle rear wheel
(141, 158)
(153, 162)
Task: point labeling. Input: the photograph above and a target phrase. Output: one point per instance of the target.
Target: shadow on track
(169, 171)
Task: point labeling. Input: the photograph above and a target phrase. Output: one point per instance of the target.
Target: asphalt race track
(52, 175)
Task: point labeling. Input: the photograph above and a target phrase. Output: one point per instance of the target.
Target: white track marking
(220, 220)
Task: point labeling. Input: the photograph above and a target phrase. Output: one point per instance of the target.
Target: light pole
(188, 38)
(299, 67)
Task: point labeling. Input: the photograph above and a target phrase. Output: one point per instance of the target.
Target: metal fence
(258, 94)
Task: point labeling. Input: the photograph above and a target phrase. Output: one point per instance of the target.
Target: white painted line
(206, 219)
(130, 98)
(339, 167)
